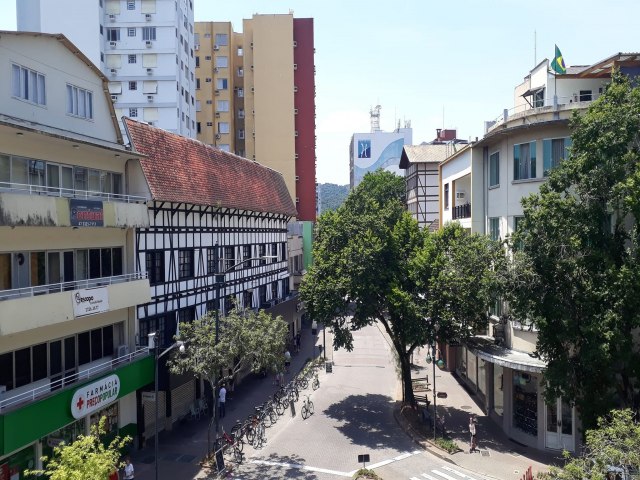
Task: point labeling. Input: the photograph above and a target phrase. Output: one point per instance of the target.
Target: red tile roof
(180, 169)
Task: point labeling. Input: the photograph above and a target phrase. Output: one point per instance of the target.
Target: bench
(420, 384)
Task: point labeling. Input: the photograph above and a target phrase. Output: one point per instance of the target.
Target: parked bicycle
(307, 408)
(316, 382)
(227, 443)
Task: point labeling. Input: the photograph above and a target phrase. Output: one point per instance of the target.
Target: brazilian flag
(558, 63)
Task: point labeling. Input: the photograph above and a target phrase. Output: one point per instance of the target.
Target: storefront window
(461, 365)
(498, 390)
(525, 402)
(472, 362)
(482, 376)
(13, 467)
(66, 434)
(111, 414)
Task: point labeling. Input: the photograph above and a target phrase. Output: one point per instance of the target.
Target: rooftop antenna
(375, 118)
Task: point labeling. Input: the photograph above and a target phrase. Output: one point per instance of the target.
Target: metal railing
(67, 286)
(69, 193)
(52, 387)
(462, 211)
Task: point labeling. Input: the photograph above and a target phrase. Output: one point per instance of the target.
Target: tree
(614, 446)
(372, 263)
(87, 458)
(247, 340)
(579, 260)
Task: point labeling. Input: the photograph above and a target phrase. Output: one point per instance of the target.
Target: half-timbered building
(210, 212)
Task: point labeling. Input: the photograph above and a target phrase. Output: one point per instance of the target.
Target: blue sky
(419, 58)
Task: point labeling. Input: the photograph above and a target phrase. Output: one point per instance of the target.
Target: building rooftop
(180, 169)
(429, 153)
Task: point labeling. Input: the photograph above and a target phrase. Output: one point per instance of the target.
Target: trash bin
(328, 367)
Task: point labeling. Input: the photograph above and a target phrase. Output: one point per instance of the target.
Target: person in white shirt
(128, 469)
(222, 399)
(287, 360)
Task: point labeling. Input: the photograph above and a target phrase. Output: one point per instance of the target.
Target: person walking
(473, 441)
(287, 360)
(128, 469)
(222, 399)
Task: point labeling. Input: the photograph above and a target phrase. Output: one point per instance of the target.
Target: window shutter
(148, 6)
(150, 114)
(516, 162)
(113, 6)
(115, 87)
(150, 87)
(532, 156)
(149, 60)
(546, 157)
(114, 61)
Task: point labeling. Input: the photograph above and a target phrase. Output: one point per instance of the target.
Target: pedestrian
(128, 469)
(222, 399)
(232, 384)
(287, 360)
(281, 378)
(298, 339)
(473, 442)
(114, 475)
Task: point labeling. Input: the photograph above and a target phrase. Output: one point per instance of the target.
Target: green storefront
(26, 432)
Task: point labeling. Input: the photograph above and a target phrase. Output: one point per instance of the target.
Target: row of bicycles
(252, 431)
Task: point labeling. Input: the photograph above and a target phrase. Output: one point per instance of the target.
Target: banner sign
(86, 213)
(95, 396)
(89, 301)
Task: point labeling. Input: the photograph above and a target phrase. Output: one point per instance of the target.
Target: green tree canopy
(87, 458)
(577, 277)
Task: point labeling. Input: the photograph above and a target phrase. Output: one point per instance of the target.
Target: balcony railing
(66, 286)
(462, 211)
(52, 387)
(69, 193)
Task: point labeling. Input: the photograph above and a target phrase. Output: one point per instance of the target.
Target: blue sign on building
(364, 148)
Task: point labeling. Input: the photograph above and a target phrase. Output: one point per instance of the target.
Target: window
(132, 58)
(262, 296)
(240, 92)
(553, 152)
(131, 32)
(223, 127)
(446, 196)
(229, 258)
(538, 98)
(222, 105)
(155, 266)
(274, 290)
(494, 228)
(207, 57)
(209, 124)
(133, 112)
(517, 226)
(222, 62)
(197, 84)
(494, 169)
(187, 314)
(131, 5)
(221, 83)
(153, 324)
(240, 72)
(241, 113)
(240, 134)
(240, 52)
(197, 62)
(247, 299)
(585, 95)
(79, 102)
(222, 39)
(113, 34)
(28, 85)
(283, 252)
(524, 161)
(274, 252)
(198, 127)
(185, 263)
(225, 147)
(133, 85)
(207, 80)
(207, 35)
(246, 254)
(262, 252)
(211, 260)
(148, 33)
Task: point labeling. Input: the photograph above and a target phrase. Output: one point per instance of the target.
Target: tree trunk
(407, 385)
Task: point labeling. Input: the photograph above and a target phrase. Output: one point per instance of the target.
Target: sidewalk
(181, 449)
(498, 456)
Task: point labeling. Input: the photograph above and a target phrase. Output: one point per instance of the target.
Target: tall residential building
(256, 97)
(144, 47)
(69, 284)
(377, 149)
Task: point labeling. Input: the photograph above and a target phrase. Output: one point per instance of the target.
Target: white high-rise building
(144, 47)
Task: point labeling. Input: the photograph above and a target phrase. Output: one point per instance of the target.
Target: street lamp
(219, 281)
(156, 348)
(432, 358)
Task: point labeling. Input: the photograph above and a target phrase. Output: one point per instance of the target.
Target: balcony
(462, 211)
(22, 308)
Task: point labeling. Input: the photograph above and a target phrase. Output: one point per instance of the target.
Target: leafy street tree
(579, 260)
(372, 264)
(87, 458)
(612, 447)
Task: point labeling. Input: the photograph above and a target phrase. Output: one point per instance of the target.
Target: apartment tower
(144, 47)
(256, 97)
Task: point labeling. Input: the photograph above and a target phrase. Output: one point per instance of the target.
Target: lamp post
(440, 363)
(153, 343)
(219, 281)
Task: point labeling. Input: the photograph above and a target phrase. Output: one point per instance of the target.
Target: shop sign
(95, 396)
(88, 301)
(86, 213)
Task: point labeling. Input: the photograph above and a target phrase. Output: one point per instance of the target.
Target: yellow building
(256, 96)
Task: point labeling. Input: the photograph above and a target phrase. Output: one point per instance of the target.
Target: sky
(448, 64)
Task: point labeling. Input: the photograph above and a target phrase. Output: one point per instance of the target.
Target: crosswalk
(446, 473)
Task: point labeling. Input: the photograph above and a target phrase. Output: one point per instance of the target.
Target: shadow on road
(367, 420)
(274, 466)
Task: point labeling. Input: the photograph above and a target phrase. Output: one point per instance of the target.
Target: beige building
(255, 96)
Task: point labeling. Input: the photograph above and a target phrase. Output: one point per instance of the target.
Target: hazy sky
(449, 64)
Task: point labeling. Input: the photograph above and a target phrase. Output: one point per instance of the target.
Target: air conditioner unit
(122, 351)
(113, 44)
(216, 92)
(151, 123)
(218, 136)
(147, 17)
(149, 71)
(460, 195)
(112, 17)
(217, 114)
(114, 71)
(196, 47)
(216, 47)
(149, 98)
(215, 69)
(114, 98)
(148, 43)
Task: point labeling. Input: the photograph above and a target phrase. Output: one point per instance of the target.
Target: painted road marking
(302, 467)
(460, 474)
